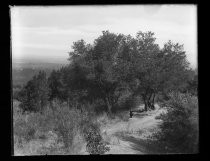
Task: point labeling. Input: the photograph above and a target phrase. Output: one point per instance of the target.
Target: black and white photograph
(104, 79)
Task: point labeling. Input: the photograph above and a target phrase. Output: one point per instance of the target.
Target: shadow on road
(143, 146)
(140, 115)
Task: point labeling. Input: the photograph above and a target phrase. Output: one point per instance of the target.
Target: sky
(47, 33)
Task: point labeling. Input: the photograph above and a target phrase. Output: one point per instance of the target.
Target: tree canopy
(116, 62)
(34, 95)
(113, 64)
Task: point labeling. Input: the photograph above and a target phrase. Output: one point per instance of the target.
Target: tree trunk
(145, 103)
(153, 101)
(109, 106)
(145, 106)
(149, 102)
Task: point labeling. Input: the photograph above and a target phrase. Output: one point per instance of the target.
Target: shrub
(71, 122)
(95, 143)
(179, 130)
(34, 95)
(63, 121)
(67, 123)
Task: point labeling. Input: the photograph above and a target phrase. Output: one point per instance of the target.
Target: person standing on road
(131, 114)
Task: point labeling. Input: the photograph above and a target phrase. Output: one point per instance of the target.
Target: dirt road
(128, 137)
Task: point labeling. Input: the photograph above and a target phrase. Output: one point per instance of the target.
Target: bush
(67, 123)
(95, 143)
(34, 95)
(179, 130)
(62, 121)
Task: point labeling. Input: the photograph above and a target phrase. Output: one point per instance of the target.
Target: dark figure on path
(131, 114)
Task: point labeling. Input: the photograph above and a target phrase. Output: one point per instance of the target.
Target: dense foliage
(117, 64)
(95, 144)
(34, 95)
(179, 130)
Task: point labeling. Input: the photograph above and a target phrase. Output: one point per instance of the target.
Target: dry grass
(55, 132)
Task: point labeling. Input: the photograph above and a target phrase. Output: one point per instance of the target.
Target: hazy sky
(47, 33)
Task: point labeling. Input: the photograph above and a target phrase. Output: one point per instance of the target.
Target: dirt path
(128, 137)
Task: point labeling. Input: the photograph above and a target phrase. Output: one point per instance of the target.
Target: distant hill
(23, 71)
(35, 65)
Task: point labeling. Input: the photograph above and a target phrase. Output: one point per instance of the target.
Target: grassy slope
(123, 134)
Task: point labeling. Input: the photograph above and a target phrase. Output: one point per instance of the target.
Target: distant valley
(23, 71)
(35, 64)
